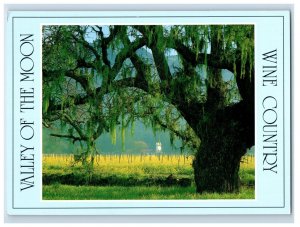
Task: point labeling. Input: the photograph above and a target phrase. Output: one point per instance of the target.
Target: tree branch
(125, 53)
(196, 59)
(74, 138)
(185, 136)
(86, 44)
(158, 53)
(75, 126)
(160, 58)
(81, 63)
(80, 100)
(105, 41)
(141, 76)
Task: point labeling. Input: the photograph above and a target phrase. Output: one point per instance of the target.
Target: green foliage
(113, 134)
(67, 192)
(100, 78)
(123, 133)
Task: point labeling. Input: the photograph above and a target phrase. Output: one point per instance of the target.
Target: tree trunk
(216, 165)
(224, 141)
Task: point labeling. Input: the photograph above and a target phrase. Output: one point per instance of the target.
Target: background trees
(195, 81)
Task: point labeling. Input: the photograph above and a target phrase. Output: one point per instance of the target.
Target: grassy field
(131, 177)
(69, 192)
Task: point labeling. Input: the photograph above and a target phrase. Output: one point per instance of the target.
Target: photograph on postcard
(148, 112)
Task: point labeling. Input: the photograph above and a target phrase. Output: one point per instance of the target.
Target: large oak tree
(108, 73)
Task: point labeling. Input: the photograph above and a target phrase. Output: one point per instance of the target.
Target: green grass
(68, 192)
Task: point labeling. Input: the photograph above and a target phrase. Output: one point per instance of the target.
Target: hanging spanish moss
(99, 79)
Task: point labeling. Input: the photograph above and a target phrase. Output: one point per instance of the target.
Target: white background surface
(161, 4)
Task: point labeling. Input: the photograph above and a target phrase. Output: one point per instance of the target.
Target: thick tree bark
(214, 173)
(225, 137)
(216, 163)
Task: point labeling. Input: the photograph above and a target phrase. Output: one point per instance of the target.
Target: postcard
(148, 112)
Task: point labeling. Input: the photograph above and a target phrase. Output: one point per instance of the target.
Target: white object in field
(158, 147)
